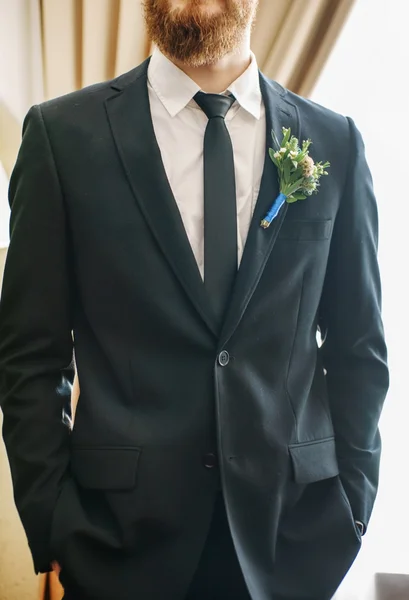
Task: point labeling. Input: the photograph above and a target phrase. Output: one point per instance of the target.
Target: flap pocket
(105, 468)
(313, 461)
(305, 230)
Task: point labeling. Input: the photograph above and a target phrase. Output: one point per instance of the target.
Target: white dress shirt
(180, 125)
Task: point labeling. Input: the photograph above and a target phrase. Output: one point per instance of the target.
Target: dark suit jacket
(98, 248)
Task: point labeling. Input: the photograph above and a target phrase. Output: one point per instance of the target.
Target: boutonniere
(298, 174)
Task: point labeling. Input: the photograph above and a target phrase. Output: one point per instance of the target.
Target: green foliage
(298, 174)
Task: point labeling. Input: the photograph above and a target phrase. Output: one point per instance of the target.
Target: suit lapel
(131, 123)
(260, 242)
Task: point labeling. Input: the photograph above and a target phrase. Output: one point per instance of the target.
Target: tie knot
(214, 105)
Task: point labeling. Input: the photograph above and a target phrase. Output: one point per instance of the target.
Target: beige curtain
(86, 41)
(292, 39)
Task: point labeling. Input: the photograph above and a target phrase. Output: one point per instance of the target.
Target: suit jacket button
(210, 460)
(224, 358)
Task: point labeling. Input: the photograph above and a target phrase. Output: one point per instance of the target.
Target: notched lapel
(131, 123)
(260, 242)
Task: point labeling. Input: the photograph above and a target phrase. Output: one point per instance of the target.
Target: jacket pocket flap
(314, 461)
(105, 468)
(305, 230)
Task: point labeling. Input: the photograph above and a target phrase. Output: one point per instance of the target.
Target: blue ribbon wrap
(274, 210)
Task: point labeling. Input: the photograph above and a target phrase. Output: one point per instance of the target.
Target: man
(218, 452)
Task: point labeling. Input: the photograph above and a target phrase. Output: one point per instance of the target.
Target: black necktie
(220, 212)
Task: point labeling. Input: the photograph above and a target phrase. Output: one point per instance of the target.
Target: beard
(194, 36)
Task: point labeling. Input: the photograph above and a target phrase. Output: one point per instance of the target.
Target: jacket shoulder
(82, 101)
(317, 121)
(91, 93)
(318, 116)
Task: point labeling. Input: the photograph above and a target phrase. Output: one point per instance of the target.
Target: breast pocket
(306, 230)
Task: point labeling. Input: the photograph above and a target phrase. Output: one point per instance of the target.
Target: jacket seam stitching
(291, 358)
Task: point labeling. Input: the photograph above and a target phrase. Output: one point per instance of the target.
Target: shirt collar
(175, 89)
(246, 89)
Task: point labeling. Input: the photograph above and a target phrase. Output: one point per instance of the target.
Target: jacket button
(224, 358)
(210, 460)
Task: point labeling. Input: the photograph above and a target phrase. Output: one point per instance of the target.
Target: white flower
(277, 155)
(293, 153)
(283, 150)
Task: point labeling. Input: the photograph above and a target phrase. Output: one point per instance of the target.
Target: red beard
(194, 36)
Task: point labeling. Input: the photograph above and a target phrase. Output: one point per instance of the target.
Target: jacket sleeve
(36, 347)
(354, 353)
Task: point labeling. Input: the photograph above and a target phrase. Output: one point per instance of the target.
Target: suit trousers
(218, 575)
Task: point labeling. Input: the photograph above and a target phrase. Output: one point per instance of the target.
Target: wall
(4, 209)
